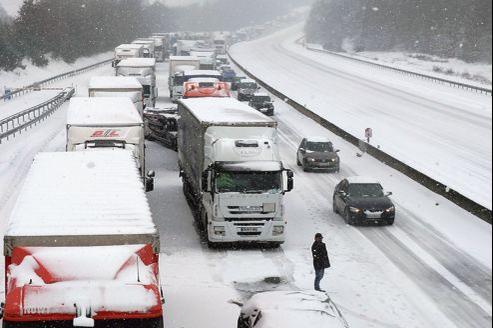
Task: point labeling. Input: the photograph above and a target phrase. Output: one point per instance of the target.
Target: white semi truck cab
(232, 171)
(108, 124)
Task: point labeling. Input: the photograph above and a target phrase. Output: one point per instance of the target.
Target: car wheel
(298, 162)
(334, 206)
(390, 222)
(305, 167)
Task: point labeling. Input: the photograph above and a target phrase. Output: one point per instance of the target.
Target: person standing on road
(321, 260)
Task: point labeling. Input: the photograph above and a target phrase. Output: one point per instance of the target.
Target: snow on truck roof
(318, 139)
(225, 111)
(202, 73)
(137, 62)
(130, 46)
(82, 194)
(114, 82)
(177, 58)
(102, 111)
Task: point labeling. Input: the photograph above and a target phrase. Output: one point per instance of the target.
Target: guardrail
(39, 84)
(428, 182)
(15, 124)
(436, 79)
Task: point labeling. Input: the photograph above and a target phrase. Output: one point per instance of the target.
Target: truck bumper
(247, 231)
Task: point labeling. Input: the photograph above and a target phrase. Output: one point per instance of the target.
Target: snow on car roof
(318, 139)
(129, 46)
(82, 193)
(137, 62)
(291, 309)
(261, 94)
(114, 82)
(176, 58)
(107, 111)
(225, 111)
(362, 180)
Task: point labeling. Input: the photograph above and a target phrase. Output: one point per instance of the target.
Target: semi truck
(118, 86)
(144, 70)
(81, 248)
(149, 47)
(232, 172)
(206, 56)
(160, 50)
(108, 123)
(125, 51)
(179, 64)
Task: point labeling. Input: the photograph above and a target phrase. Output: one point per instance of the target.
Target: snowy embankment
(31, 74)
(456, 70)
(440, 131)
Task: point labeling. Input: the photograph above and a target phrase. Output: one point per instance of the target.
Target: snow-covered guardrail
(15, 124)
(39, 84)
(428, 182)
(436, 79)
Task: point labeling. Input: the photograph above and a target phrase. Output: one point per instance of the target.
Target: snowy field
(442, 132)
(423, 272)
(478, 74)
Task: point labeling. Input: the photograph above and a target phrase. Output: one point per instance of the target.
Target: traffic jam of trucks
(81, 247)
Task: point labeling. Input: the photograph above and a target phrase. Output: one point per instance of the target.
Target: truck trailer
(232, 172)
(144, 70)
(81, 248)
(111, 124)
(125, 51)
(118, 86)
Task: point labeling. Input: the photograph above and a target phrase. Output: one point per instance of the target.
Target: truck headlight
(278, 230)
(220, 231)
(354, 210)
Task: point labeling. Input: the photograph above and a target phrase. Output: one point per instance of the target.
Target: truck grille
(260, 220)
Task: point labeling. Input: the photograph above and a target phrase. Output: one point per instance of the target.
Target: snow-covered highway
(442, 132)
(423, 272)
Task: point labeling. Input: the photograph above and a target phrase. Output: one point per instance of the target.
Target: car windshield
(248, 86)
(261, 99)
(365, 190)
(323, 147)
(248, 182)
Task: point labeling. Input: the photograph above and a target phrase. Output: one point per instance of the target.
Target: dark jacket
(320, 256)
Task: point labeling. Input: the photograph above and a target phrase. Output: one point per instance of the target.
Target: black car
(363, 200)
(246, 89)
(263, 103)
(318, 154)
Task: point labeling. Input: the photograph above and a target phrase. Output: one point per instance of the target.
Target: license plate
(249, 229)
(374, 215)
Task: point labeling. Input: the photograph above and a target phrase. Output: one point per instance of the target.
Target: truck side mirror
(290, 176)
(205, 181)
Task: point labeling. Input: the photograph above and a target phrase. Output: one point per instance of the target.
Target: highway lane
(441, 131)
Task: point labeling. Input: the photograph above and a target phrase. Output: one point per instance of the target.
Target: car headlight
(354, 210)
(390, 209)
(311, 159)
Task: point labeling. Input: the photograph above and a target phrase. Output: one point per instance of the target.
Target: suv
(363, 200)
(318, 154)
(228, 73)
(246, 89)
(263, 103)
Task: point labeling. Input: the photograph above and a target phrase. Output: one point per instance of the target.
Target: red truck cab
(206, 88)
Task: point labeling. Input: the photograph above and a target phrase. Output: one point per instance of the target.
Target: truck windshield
(323, 147)
(365, 190)
(249, 182)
